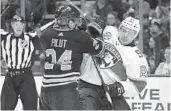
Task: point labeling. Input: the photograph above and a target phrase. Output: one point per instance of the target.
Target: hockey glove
(96, 27)
(94, 32)
(116, 89)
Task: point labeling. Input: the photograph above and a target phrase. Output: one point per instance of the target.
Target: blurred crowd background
(154, 16)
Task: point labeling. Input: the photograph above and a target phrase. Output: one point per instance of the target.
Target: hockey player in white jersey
(123, 69)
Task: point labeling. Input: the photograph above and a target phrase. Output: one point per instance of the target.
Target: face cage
(63, 20)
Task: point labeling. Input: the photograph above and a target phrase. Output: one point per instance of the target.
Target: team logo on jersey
(143, 71)
(107, 36)
(61, 34)
(111, 56)
(24, 44)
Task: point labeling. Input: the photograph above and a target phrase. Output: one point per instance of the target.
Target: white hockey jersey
(131, 69)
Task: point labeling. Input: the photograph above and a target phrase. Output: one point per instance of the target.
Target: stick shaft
(87, 17)
(71, 3)
(104, 85)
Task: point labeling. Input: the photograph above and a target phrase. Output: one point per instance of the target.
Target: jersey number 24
(64, 61)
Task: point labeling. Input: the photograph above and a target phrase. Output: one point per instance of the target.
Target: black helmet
(64, 13)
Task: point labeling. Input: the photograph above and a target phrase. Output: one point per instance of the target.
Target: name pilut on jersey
(58, 43)
(17, 52)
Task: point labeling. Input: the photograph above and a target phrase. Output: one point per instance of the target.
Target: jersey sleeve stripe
(60, 77)
(52, 80)
(63, 75)
(58, 84)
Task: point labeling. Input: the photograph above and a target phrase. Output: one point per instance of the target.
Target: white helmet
(131, 24)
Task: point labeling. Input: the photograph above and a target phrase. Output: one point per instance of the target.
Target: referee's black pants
(23, 85)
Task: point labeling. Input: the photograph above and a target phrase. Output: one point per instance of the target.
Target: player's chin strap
(105, 86)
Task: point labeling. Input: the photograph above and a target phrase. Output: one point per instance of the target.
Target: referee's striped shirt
(18, 51)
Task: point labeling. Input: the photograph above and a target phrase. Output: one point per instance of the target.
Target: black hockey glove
(96, 27)
(94, 32)
(116, 89)
(82, 25)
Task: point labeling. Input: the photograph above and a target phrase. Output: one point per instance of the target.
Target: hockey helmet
(65, 13)
(128, 30)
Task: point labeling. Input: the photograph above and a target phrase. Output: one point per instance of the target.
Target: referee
(18, 50)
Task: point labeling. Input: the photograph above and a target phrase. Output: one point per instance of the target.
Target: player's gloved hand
(116, 89)
(94, 32)
(96, 27)
(82, 24)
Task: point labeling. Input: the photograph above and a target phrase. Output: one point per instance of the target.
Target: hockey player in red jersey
(123, 69)
(64, 46)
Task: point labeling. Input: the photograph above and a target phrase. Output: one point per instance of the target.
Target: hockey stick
(79, 10)
(72, 4)
(5, 10)
(42, 28)
(105, 86)
(103, 83)
(47, 25)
